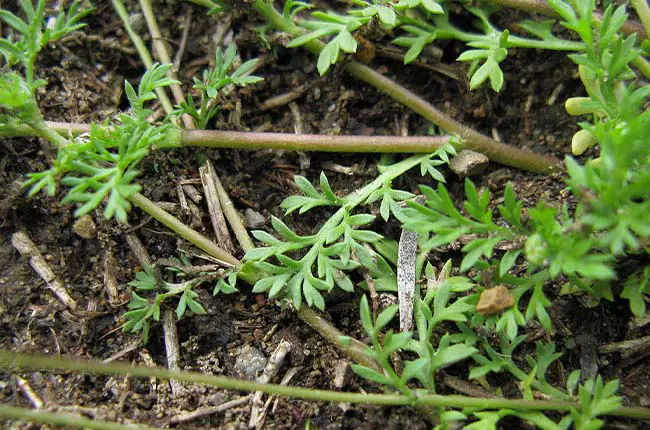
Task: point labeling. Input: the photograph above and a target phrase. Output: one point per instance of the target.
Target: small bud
(582, 141)
(536, 249)
(580, 106)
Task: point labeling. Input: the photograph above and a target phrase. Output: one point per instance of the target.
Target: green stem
(472, 139)
(143, 52)
(643, 11)
(352, 347)
(370, 144)
(183, 231)
(65, 420)
(11, 360)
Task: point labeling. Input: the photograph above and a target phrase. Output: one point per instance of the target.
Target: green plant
(212, 82)
(421, 23)
(308, 265)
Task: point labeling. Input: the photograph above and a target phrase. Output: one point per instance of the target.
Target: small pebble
(254, 219)
(342, 374)
(85, 227)
(250, 362)
(468, 163)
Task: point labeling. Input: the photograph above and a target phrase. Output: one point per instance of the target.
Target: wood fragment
(26, 247)
(406, 261)
(124, 351)
(28, 392)
(183, 201)
(232, 215)
(214, 208)
(209, 410)
(138, 249)
(110, 280)
(270, 371)
(626, 347)
(466, 388)
(283, 99)
(172, 348)
(191, 192)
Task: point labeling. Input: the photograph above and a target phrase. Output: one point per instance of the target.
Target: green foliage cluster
(445, 302)
(213, 81)
(418, 24)
(144, 310)
(306, 266)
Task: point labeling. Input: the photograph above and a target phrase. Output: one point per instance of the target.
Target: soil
(85, 75)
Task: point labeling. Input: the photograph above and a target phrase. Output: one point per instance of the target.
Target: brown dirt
(85, 77)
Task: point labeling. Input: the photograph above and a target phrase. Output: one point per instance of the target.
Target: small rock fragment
(250, 362)
(468, 163)
(342, 374)
(494, 300)
(85, 227)
(254, 219)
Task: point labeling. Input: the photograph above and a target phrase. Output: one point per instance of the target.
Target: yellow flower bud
(582, 141)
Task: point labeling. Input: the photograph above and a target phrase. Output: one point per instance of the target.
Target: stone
(468, 163)
(254, 219)
(85, 227)
(250, 362)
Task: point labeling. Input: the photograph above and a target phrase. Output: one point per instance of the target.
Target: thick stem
(376, 144)
(498, 152)
(12, 360)
(472, 139)
(352, 347)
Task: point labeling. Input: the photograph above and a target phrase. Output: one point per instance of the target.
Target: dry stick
(270, 370)
(171, 348)
(110, 280)
(28, 392)
(233, 217)
(25, 246)
(169, 322)
(216, 214)
(209, 410)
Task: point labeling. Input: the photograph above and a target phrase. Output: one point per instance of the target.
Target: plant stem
(474, 140)
(64, 420)
(643, 11)
(143, 52)
(183, 231)
(470, 138)
(352, 347)
(306, 142)
(12, 360)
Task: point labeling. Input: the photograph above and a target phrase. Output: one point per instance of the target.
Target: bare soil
(85, 77)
